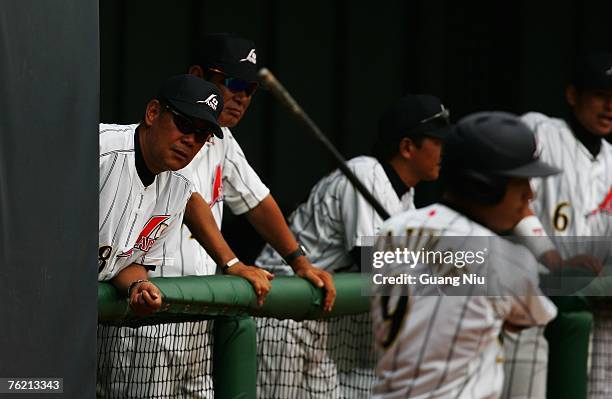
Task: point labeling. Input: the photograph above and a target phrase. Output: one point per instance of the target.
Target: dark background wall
(344, 61)
(49, 91)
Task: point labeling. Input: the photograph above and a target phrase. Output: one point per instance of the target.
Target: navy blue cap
(593, 71)
(231, 54)
(494, 143)
(414, 115)
(193, 97)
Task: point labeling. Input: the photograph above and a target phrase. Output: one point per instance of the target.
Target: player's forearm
(127, 276)
(269, 222)
(532, 235)
(201, 223)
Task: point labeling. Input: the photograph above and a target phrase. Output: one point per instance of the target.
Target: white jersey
(577, 202)
(335, 217)
(137, 224)
(447, 346)
(220, 173)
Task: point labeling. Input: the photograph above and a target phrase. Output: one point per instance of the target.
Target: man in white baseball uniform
(330, 225)
(577, 204)
(433, 345)
(221, 174)
(142, 197)
(137, 217)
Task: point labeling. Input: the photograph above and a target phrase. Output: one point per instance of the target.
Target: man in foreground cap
(142, 200)
(575, 205)
(331, 225)
(437, 339)
(136, 215)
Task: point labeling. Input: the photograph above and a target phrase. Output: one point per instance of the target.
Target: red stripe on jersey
(144, 242)
(605, 206)
(217, 186)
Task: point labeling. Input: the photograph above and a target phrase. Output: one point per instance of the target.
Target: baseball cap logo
(211, 101)
(252, 57)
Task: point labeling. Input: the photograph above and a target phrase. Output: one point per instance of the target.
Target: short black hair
(385, 148)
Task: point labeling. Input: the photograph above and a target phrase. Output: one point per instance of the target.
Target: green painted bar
(209, 296)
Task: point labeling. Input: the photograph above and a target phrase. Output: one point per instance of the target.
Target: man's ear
(406, 146)
(197, 71)
(152, 112)
(571, 95)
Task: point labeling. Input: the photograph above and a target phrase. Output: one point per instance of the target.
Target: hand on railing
(259, 279)
(319, 277)
(144, 297)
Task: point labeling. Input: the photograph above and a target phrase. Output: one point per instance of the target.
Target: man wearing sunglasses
(142, 200)
(221, 174)
(133, 235)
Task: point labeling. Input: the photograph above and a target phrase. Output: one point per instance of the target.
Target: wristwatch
(300, 251)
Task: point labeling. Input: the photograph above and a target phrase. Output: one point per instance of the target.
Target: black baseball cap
(414, 115)
(193, 97)
(230, 54)
(593, 71)
(494, 143)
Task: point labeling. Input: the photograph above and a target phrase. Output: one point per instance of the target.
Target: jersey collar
(479, 222)
(590, 141)
(145, 175)
(398, 185)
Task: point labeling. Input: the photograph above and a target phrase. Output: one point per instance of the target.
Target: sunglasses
(203, 130)
(236, 85)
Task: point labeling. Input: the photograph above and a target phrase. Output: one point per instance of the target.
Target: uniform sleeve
(243, 189)
(517, 280)
(189, 172)
(533, 310)
(358, 216)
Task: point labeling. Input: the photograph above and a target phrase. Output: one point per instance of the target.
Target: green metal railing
(230, 301)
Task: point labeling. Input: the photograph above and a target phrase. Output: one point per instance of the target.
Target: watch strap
(289, 258)
(229, 264)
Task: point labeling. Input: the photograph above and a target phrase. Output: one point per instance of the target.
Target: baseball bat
(277, 89)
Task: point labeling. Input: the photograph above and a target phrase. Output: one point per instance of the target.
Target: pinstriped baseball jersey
(335, 216)
(220, 173)
(576, 202)
(447, 346)
(137, 224)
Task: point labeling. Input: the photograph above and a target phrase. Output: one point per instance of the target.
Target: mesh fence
(158, 361)
(310, 359)
(600, 375)
(315, 358)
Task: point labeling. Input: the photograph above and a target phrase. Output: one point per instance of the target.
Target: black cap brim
(198, 112)
(241, 71)
(441, 133)
(537, 168)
